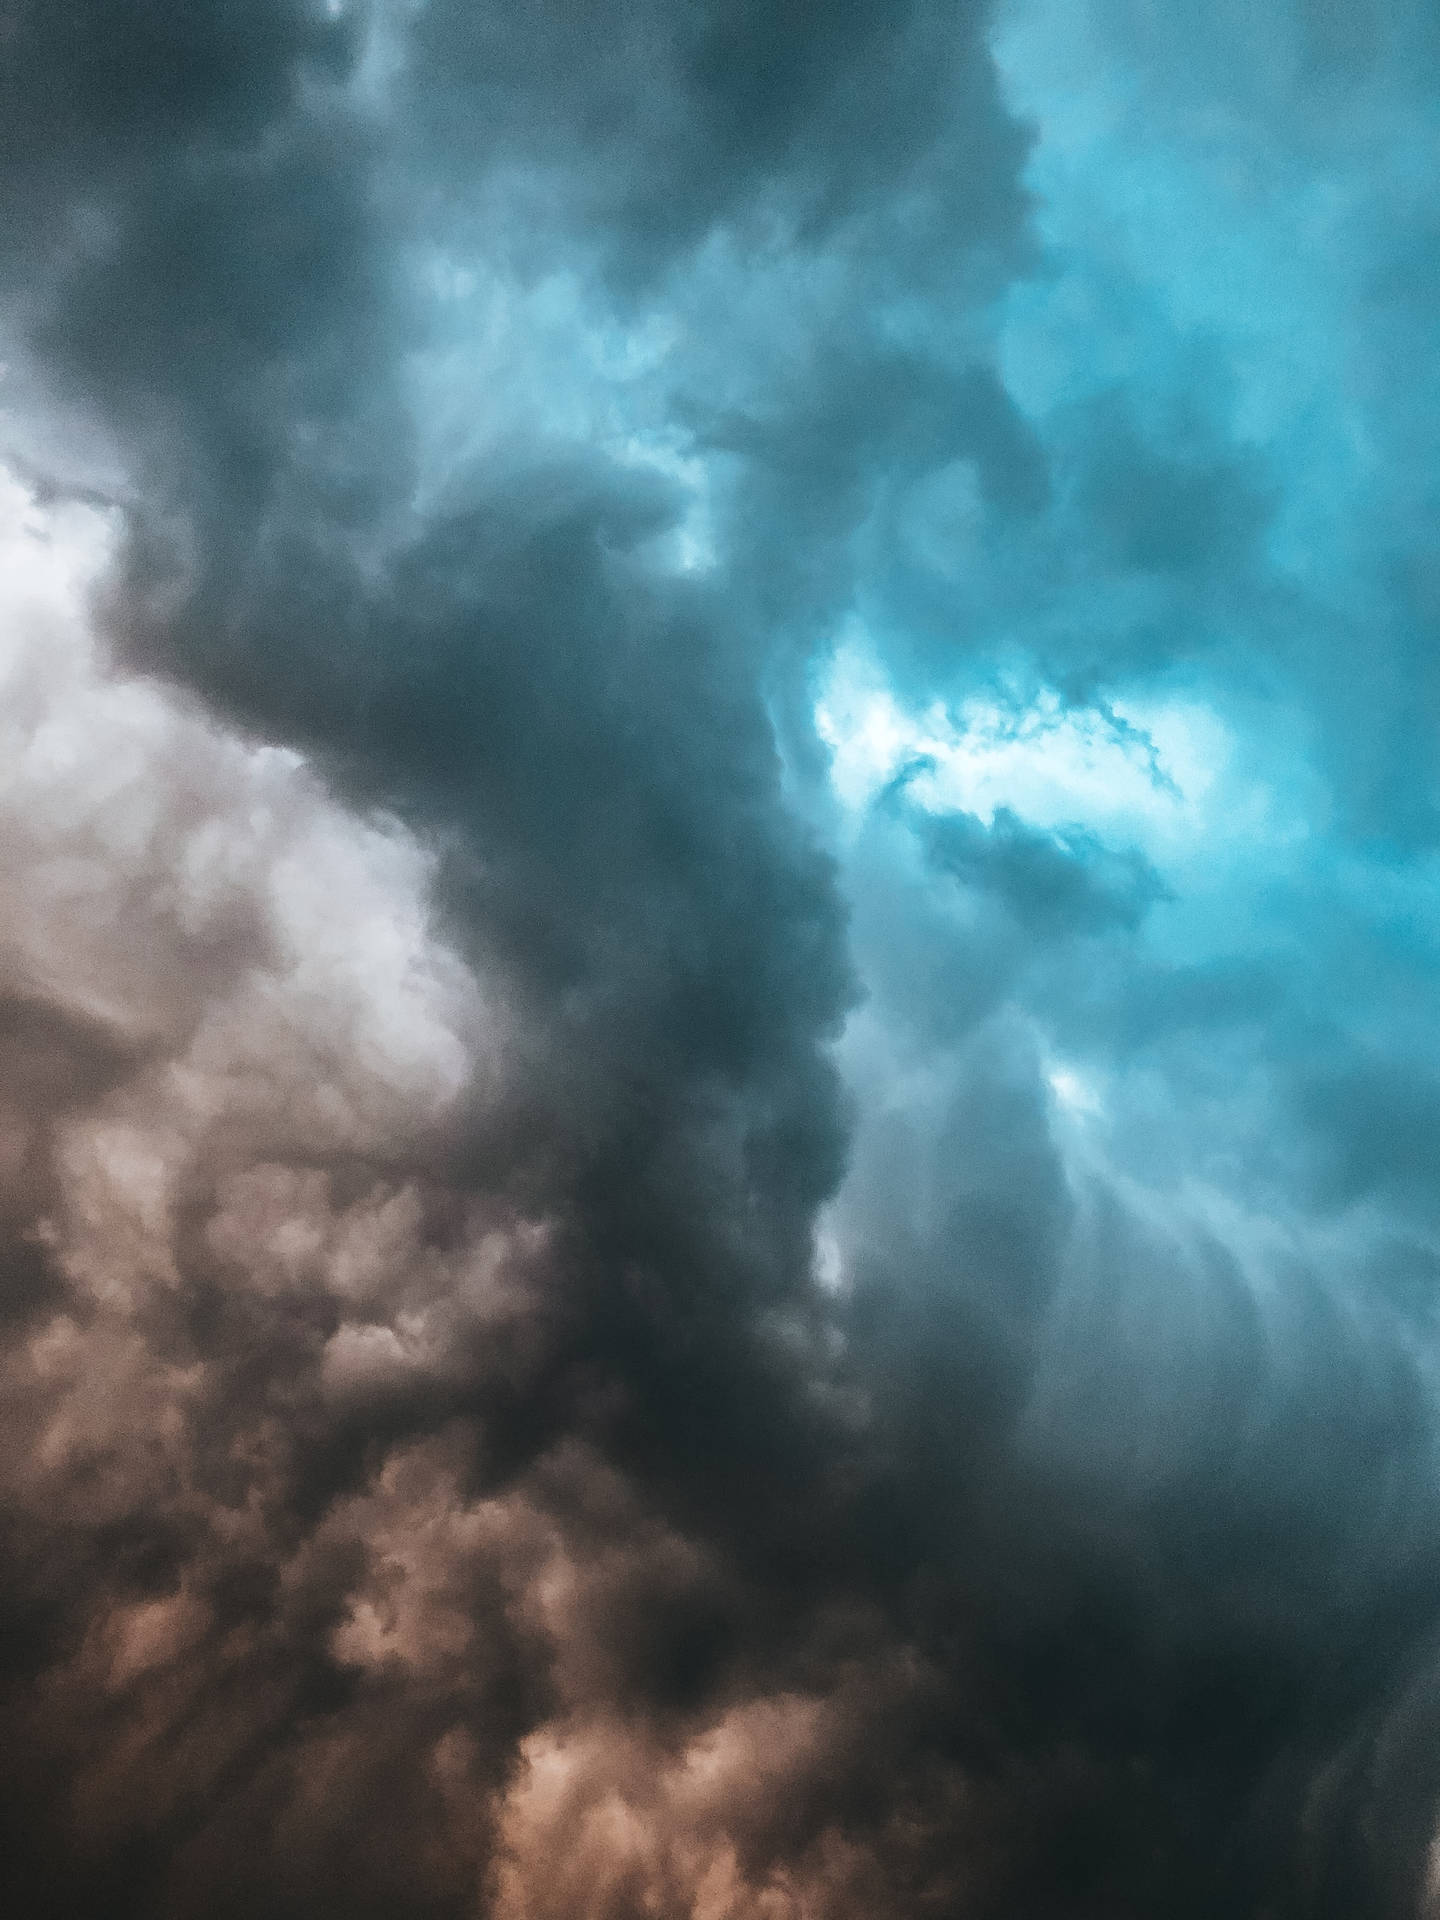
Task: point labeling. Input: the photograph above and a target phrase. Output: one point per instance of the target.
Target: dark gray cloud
(716, 1002)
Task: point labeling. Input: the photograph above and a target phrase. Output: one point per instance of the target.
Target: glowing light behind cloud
(1145, 769)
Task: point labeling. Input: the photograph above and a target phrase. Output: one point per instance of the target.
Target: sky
(719, 1063)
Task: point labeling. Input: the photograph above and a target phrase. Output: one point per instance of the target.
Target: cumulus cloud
(717, 1063)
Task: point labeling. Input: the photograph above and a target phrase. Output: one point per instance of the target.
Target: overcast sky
(719, 1043)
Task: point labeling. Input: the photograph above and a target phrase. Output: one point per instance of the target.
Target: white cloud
(263, 961)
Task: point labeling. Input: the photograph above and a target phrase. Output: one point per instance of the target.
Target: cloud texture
(719, 1191)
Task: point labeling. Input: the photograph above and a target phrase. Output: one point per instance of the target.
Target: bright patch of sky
(1159, 774)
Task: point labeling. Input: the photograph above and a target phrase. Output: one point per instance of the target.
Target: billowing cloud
(718, 847)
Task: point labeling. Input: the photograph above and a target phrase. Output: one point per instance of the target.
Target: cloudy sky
(720, 841)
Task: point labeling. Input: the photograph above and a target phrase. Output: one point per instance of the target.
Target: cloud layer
(718, 1190)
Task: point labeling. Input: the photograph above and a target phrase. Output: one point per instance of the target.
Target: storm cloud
(718, 1064)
